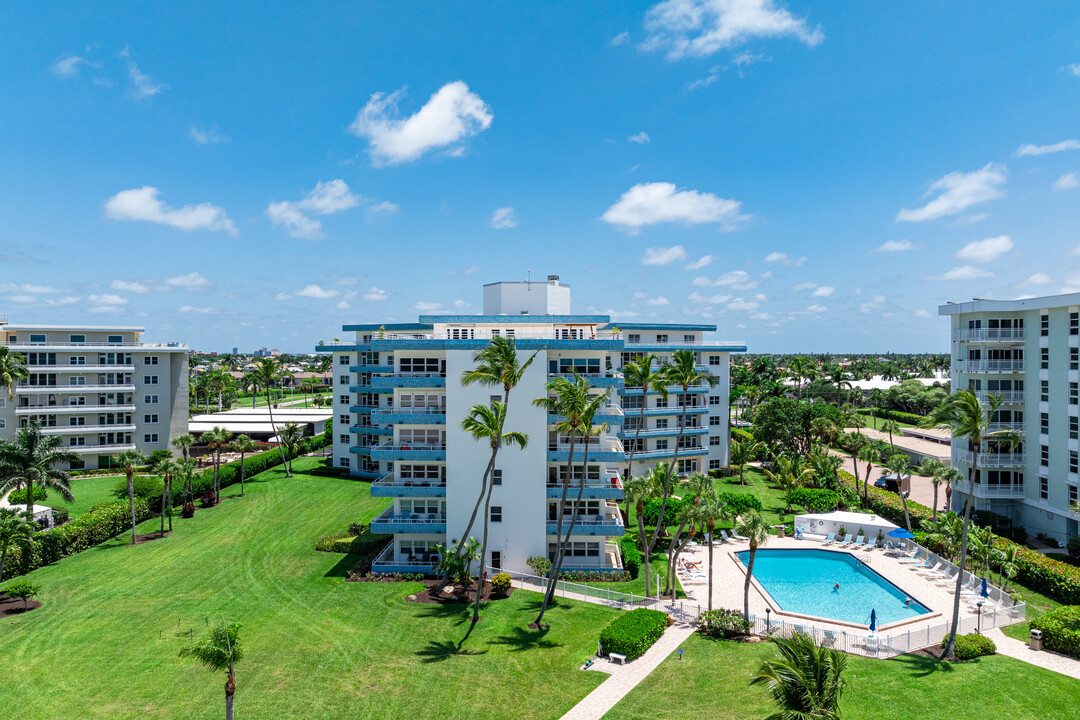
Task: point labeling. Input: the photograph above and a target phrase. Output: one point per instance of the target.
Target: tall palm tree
(127, 461)
(15, 529)
(219, 650)
(184, 442)
(486, 422)
(646, 374)
(31, 460)
(869, 453)
(853, 443)
(167, 468)
(951, 477)
(641, 489)
(697, 485)
(13, 370)
(249, 382)
(709, 512)
(901, 465)
(243, 445)
(935, 470)
(754, 527)
(267, 372)
(891, 426)
(966, 417)
(806, 682)
(743, 452)
(837, 375)
(216, 439)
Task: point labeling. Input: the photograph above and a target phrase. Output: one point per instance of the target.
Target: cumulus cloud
(698, 28)
(191, 281)
(642, 138)
(895, 246)
(142, 204)
(28, 289)
(963, 272)
(376, 294)
(783, 259)
(622, 38)
(805, 286)
(106, 303)
(982, 251)
(343, 305)
(504, 218)
(660, 300)
(209, 136)
(696, 297)
(317, 292)
(428, 306)
(874, 303)
(450, 115)
(348, 281)
(663, 256)
(1030, 149)
(958, 191)
(743, 304)
(129, 286)
(823, 292)
(660, 202)
(737, 279)
(283, 296)
(198, 310)
(382, 209)
(703, 261)
(325, 199)
(1039, 278)
(1068, 181)
(920, 313)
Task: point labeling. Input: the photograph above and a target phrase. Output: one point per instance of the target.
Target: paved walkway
(625, 677)
(1041, 658)
(922, 490)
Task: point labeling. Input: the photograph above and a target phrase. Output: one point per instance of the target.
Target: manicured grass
(711, 682)
(875, 423)
(104, 644)
(88, 491)
(771, 497)
(1037, 606)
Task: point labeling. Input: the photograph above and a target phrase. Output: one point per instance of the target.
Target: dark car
(890, 483)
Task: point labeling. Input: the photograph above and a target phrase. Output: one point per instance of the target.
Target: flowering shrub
(501, 584)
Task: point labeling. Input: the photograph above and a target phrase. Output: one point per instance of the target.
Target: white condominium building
(100, 388)
(399, 403)
(1027, 351)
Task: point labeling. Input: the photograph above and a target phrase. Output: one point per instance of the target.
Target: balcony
(607, 487)
(1014, 491)
(71, 409)
(989, 366)
(611, 378)
(85, 429)
(661, 432)
(140, 345)
(389, 562)
(391, 451)
(991, 460)
(686, 452)
(608, 524)
(700, 387)
(611, 414)
(432, 415)
(610, 561)
(990, 335)
(609, 450)
(409, 380)
(371, 368)
(1009, 397)
(1000, 426)
(668, 411)
(114, 448)
(71, 389)
(370, 430)
(390, 486)
(389, 523)
(80, 368)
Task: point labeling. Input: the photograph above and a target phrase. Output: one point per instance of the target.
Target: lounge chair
(857, 542)
(738, 537)
(914, 559)
(724, 536)
(829, 539)
(846, 541)
(948, 577)
(870, 543)
(928, 567)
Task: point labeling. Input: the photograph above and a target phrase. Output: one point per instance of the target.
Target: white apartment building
(1027, 351)
(399, 402)
(100, 388)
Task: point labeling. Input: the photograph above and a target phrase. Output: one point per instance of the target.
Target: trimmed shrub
(723, 623)
(501, 583)
(60, 515)
(23, 590)
(740, 503)
(18, 497)
(971, 646)
(887, 504)
(631, 556)
(594, 576)
(1061, 630)
(910, 418)
(1053, 578)
(348, 543)
(633, 633)
(815, 499)
(742, 434)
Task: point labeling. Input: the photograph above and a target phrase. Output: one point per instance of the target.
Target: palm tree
(216, 440)
(12, 370)
(168, 468)
(640, 489)
(789, 474)
(184, 442)
(698, 485)
(709, 512)
(267, 372)
(754, 527)
(854, 442)
(951, 477)
(128, 460)
(837, 375)
(31, 460)
(935, 470)
(486, 422)
(642, 374)
(966, 417)
(291, 437)
(743, 452)
(249, 382)
(806, 682)
(15, 529)
(243, 445)
(891, 426)
(901, 465)
(219, 650)
(869, 453)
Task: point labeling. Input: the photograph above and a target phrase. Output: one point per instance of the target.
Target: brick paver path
(1042, 658)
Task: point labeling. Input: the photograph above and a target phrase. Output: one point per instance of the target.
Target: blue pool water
(801, 581)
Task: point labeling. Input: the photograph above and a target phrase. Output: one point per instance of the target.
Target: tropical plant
(267, 373)
(291, 437)
(697, 486)
(639, 489)
(789, 474)
(644, 373)
(184, 443)
(743, 452)
(23, 590)
(219, 649)
(755, 528)
(127, 461)
(891, 426)
(870, 454)
(836, 374)
(216, 440)
(709, 512)
(15, 529)
(243, 445)
(13, 370)
(168, 468)
(806, 682)
(935, 470)
(31, 460)
(901, 465)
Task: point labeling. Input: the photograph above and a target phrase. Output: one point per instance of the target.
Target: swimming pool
(801, 581)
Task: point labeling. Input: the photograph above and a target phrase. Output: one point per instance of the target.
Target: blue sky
(807, 176)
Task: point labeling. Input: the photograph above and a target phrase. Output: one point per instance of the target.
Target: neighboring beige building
(101, 388)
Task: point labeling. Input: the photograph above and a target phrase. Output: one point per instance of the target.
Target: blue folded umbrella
(985, 592)
(873, 620)
(901, 534)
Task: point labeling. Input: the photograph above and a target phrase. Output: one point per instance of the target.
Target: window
(151, 399)
(1074, 427)
(1044, 327)
(343, 360)
(661, 402)
(1044, 488)
(715, 464)
(661, 423)
(1074, 358)
(1074, 323)
(633, 338)
(150, 379)
(115, 339)
(714, 359)
(496, 477)
(714, 440)
(76, 442)
(150, 438)
(77, 380)
(1074, 461)
(1044, 455)
(344, 419)
(77, 360)
(661, 339)
(150, 360)
(77, 338)
(344, 439)
(687, 466)
(496, 559)
(76, 421)
(714, 420)
(3, 425)
(1044, 358)
(1044, 423)
(343, 399)
(1074, 393)
(714, 399)
(688, 338)
(343, 379)
(661, 444)
(36, 338)
(150, 419)
(1044, 390)
(343, 462)
(496, 513)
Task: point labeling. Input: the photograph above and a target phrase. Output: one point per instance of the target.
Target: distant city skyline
(808, 177)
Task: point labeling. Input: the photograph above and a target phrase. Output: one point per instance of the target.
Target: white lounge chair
(738, 537)
(829, 539)
(914, 559)
(724, 535)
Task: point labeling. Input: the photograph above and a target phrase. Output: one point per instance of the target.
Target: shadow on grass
(343, 566)
(438, 651)
(923, 666)
(521, 639)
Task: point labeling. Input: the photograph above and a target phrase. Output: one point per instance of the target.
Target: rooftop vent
(553, 278)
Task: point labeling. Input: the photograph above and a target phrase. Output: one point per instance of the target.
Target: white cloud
(804, 286)
(375, 293)
(28, 289)
(106, 303)
(1068, 181)
(622, 38)
(452, 114)
(142, 85)
(206, 137)
(504, 218)
(823, 292)
(348, 281)
(660, 202)
(296, 223)
(920, 313)
(317, 292)
(660, 300)
(816, 309)
(663, 256)
(142, 204)
(703, 261)
(982, 251)
(191, 281)
(1073, 69)
(283, 296)
(958, 191)
(963, 272)
(895, 246)
(1030, 149)
(126, 286)
(969, 219)
(325, 199)
(198, 310)
(427, 306)
(874, 303)
(698, 28)
(737, 279)
(343, 305)
(742, 304)
(1039, 278)
(696, 297)
(382, 209)
(642, 138)
(67, 66)
(782, 258)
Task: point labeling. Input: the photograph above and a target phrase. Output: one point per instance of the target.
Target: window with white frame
(424, 507)
(344, 419)
(688, 338)
(343, 399)
(714, 399)
(150, 379)
(77, 360)
(150, 419)
(715, 440)
(714, 359)
(420, 436)
(3, 423)
(343, 379)
(343, 462)
(496, 476)
(151, 399)
(714, 420)
(150, 438)
(343, 360)
(343, 439)
(496, 513)
(633, 338)
(714, 464)
(688, 466)
(662, 444)
(150, 360)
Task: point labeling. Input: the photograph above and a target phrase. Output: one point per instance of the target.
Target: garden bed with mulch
(455, 593)
(140, 539)
(15, 606)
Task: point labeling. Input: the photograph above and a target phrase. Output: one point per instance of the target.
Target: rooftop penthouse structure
(101, 388)
(398, 403)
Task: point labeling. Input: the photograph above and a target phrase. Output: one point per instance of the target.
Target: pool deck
(729, 575)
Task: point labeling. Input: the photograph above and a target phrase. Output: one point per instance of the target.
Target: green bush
(971, 646)
(742, 434)
(723, 623)
(501, 584)
(146, 487)
(539, 564)
(815, 499)
(583, 576)
(631, 556)
(1061, 630)
(159, 455)
(633, 633)
(60, 515)
(23, 590)
(887, 504)
(740, 503)
(18, 497)
(671, 511)
(910, 418)
(347, 543)
(1053, 578)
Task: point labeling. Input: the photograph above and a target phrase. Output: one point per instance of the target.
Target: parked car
(890, 483)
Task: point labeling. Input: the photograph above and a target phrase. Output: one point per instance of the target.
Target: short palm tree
(901, 465)
(127, 461)
(935, 470)
(12, 370)
(743, 452)
(754, 527)
(869, 453)
(951, 477)
(639, 490)
(219, 650)
(168, 469)
(891, 426)
(291, 436)
(836, 374)
(184, 443)
(243, 445)
(806, 682)
(267, 373)
(32, 460)
(15, 529)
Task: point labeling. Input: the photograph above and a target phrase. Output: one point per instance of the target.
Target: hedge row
(896, 415)
(632, 633)
(1061, 630)
(887, 504)
(101, 523)
(631, 556)
(815, 499)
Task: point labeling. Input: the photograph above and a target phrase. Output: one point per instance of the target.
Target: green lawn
(88, 491)
(772, 498)
(1037, 606)
(875, 423)
(103, 645)
(711, 682)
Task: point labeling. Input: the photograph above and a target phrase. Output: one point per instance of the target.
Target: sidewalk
(1055, 662)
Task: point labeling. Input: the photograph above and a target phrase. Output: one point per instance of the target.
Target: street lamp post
(978, 627)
